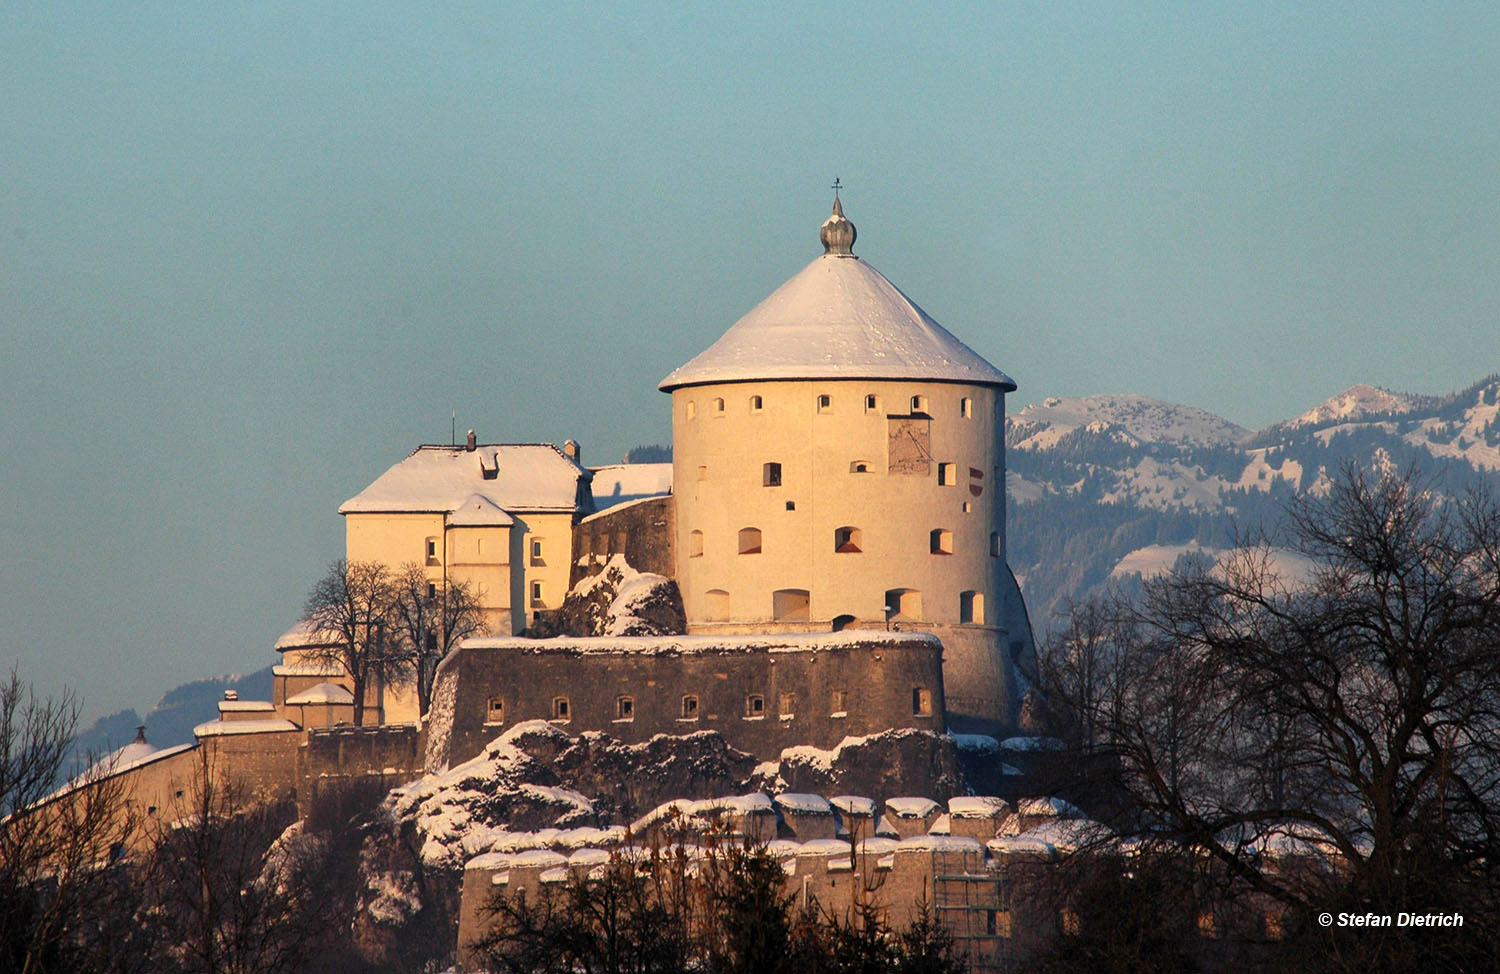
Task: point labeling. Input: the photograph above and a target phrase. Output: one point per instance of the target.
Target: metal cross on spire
(836, 187)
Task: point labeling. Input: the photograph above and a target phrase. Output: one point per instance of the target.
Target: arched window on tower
(749, 541)
(847, 540)
(695, 544)
(791, 605)
(940, 541)
(903, 605)
(716, 605)
(971, 607)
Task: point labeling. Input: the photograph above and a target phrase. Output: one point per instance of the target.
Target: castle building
(839, 462)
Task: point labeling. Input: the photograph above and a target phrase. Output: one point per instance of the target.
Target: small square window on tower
(825, 403)
(947, 474)
(872, 403)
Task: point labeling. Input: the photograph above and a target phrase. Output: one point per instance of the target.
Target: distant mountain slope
(173, 718)
(1101, 486)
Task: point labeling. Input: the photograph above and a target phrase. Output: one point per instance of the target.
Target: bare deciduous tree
(1347, 720)
(230, 888)
(58, 848)
(353, 603)
(430, 618)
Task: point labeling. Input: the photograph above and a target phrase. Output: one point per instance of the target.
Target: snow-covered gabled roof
(324, 693)
(304, 634)
(479, 511)
(839, 318)
(451, 479)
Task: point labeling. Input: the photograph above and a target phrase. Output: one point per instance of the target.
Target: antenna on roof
(453, 429)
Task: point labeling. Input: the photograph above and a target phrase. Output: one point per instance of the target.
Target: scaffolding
(970, 902)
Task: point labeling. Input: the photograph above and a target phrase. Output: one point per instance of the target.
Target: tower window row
(847, 540)
(900, 605)
(823, 402)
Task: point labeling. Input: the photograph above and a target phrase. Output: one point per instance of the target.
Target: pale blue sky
(251, 254)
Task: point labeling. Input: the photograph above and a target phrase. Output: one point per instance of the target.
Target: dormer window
(489, 466)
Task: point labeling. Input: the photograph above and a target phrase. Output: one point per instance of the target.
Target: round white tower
(839, 461)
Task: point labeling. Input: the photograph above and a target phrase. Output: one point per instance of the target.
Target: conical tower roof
(838, 318)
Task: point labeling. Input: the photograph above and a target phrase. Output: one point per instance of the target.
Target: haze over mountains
(1107, 489)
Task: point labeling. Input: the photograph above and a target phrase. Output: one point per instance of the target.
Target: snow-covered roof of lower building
(839, 318)
(910, 807)
(449, 479)
(305, 633)
(220, 728)
(329, 693)
(621, 483)
(977, 806)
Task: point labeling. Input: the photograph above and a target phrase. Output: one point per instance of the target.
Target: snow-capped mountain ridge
(1095, 480)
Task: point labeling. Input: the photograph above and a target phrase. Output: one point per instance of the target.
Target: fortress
(833, 517)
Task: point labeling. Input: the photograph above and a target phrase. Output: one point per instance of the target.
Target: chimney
(469, 445)
(231, 694)
(140, 734)
(571, 450)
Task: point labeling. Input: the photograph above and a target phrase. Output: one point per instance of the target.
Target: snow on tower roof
(839, 318)
(478, 485)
